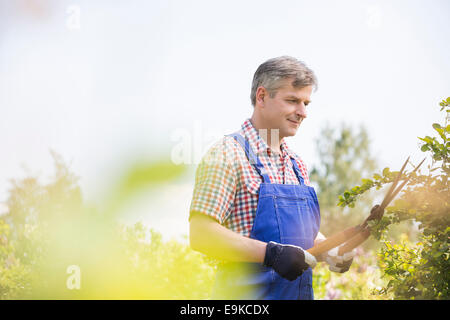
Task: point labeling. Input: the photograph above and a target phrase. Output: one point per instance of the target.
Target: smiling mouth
(296, 122)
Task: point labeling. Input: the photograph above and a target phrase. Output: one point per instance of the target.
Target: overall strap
(251, 156)
(297, 171)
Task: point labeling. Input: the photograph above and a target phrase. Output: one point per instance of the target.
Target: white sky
(103, 82)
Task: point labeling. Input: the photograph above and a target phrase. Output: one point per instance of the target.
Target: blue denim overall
(287, 214)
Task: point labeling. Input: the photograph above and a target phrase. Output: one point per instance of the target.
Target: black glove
(288, 261)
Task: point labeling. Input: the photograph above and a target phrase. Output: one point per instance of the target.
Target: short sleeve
(215, 184)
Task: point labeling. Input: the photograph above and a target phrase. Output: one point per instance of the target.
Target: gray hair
(271, 74)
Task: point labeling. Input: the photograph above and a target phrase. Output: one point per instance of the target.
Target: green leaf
(376, 176)
(437, 126)
(427, 139)
(425, 147)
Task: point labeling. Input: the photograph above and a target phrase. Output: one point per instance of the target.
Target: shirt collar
(258, 144)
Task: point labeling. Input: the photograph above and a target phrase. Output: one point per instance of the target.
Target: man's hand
(288, 261)
(338, 263)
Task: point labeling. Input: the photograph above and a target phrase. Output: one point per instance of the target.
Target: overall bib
(287, 214)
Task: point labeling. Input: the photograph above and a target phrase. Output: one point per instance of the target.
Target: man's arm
(211, 238)
(214, 193)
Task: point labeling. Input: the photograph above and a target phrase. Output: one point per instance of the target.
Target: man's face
(287, 109)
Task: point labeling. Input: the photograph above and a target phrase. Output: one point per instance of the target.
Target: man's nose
(301, 111)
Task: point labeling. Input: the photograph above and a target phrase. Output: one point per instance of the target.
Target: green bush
(417, 270)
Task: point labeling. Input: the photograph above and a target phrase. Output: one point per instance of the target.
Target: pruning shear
(354, 236)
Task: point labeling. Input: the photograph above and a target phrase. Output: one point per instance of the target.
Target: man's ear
(261, 94)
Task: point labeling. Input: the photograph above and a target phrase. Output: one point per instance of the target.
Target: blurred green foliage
(48, 229)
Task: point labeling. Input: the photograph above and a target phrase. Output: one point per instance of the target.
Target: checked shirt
(226, 184)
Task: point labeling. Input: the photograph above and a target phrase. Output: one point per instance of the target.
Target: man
(253, 207)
